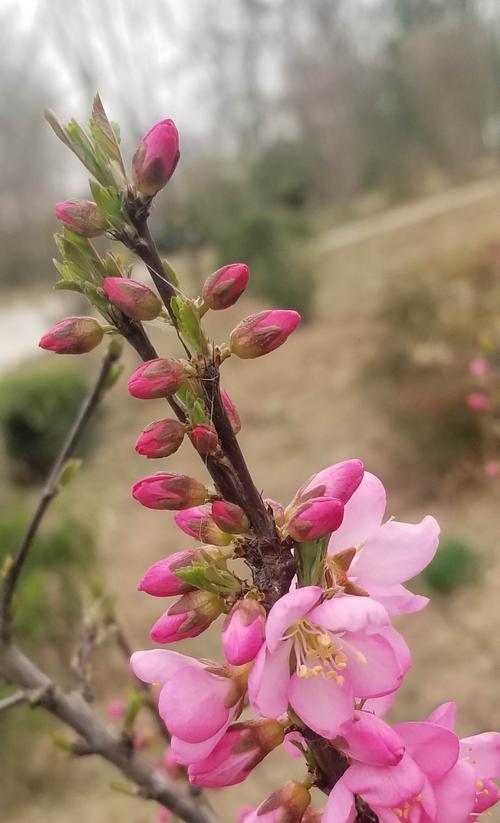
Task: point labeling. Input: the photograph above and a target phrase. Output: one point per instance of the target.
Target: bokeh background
(349, 152)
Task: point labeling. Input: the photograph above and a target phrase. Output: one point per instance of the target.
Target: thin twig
(51, 489)
(13, 700)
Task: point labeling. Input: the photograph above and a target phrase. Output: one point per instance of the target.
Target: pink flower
(160, 439)
(160, 579)
(339, 481)
(223, 288)
(243, 632)
(479, 366)
(197, 703)
(315, 518)
(383, 554)
(204, 439)
(263, 332)
(492, 468)
(229, 517)
(116, 709)
(198, 522)
(164, 816)
(134, 299)
(287, 805)
(241, 749)
(478, 401)
(155, 160)
(188, 617)
(337, 649)
(369, 739)
(156, 378)
(81, 217)
(231, 411)
(73, 335)
(169, 491)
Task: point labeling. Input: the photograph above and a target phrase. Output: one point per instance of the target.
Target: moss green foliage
(455, 565)
(37, 407)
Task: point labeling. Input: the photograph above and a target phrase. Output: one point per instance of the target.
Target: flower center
(317, 652)
(404, 811)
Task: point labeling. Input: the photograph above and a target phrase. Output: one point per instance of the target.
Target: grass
(302, 408)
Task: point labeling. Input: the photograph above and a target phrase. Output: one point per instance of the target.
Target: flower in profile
(315, 518)
(73, 335)
(243, 631)
(82, 217)
(319, 655)
(263, 332)
(154, 162)
(160, 579)
(157, 378)
(133, 298)
(188, 617)
(169, 491)
(223, 288)
(378, 557)
(160, 439)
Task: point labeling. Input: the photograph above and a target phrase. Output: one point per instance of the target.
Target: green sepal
(188, 320)
(210, 578)
(310, 557)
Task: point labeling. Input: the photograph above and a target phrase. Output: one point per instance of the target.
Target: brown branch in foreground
(51, 489)
(73, 710)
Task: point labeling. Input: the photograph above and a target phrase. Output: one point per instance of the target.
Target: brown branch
(96, 738)
(51, 489)
(13, 700)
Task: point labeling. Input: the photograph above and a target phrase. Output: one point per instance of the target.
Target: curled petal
(288, 610)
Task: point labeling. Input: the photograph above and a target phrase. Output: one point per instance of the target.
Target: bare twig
(51, 489)
(13, 700)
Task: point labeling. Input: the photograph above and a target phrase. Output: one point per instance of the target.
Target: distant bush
(283, 175)
(273, 245)
(49, 588)
(454, 565)
(37, 407)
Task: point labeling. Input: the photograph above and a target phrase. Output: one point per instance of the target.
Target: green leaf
(209, 577)
(68, 472)
(189, 322)
(114, 375)
(67, 285)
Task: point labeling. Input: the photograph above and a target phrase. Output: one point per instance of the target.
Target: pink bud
(477, 401)
(160, 439)
(223, 288)
(340, 481)
(156, 378)
(188, 617)
(199, 523)
(479, 366)
(116, 709)
(155, 160)
(81, 216)
(204, 439)
(160, 579)
(133, 298)
(243, 747)
(231, 411)
(73, 335)
(287, 805)
(229, 517)
(243, 632)
(315, 518)
(169, 491)
(263, 332)
(277, 511)
(371, 740)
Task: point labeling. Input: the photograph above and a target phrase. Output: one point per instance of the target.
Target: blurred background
(349, 152)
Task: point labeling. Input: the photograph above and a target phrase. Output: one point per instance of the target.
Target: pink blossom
(243, 632)
(383, 554)
(339, 481)
(161, 377)
(198, 522)
(315, 518)
(160, 439)
(479, 366)
(73, 335)
(160, 579)
(169, 491)
(197, 702)
(133, 298)
(155, 160)
(116, 709)
(229, 517)
(81, 217)
(340, 648)
(241, 749)
(478, 401)
(367, 738)
(263, 332)
(223, 288)
(204, 439)
(188, 617)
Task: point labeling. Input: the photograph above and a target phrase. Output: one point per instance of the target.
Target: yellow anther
(324, 640)
(361, 658)
(303, 672)
(399, 812)
(340, 680)
(479, 784)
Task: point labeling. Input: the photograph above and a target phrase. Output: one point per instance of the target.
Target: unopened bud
(231, 411)
(156, 378)
(73, 335)
(229, 517)
(243, 632)
(263, 332)
(134, 299)
(169, 491)
(199, 523)
(155, 160)
(160, 439)
(188, 617)
(277, 510)
(315, 518)
(223, 288)
(81, 216)
(204, 439)
(160, 579)
(287, 805)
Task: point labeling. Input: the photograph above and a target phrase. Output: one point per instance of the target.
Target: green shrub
(454, 565)
(37, 407)
(48, 593)
(273, 246)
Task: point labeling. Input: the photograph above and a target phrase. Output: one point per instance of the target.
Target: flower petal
(444, 715)
(394, 597)
(186, 753)
(322, 704)
(455, 794)
(268, 681)
(340, 807)
(159, 665)
(434, 748)
(363, 514)
(192, 704)
(287, 611)
(373, 666)
(385, 786)
(397, 551)
(482, 751)
(348, 613)
(370, 740)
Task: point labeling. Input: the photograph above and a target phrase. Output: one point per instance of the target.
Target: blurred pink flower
(478, 401)
(479, 366)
